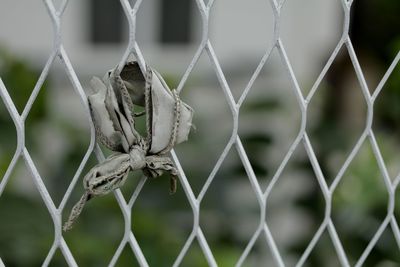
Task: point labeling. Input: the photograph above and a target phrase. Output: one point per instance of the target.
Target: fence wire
(59, 53)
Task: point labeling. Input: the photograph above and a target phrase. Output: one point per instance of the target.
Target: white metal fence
(234, 143)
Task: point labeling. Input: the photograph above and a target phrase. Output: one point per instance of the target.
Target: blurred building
(168, 32)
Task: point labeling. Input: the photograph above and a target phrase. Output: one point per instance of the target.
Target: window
(176, 21)
(106, 22)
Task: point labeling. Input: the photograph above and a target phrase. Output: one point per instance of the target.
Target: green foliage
(20, 79)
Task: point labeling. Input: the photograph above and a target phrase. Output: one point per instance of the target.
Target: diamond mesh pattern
(233, 143)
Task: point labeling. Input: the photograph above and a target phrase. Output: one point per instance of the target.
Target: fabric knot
(137, 158)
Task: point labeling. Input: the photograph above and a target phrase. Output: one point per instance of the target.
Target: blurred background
(168, 34)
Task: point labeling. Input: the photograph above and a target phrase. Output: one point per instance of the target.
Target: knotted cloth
(168, 122)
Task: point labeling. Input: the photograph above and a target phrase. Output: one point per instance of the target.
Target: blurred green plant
(360, 201)
(20, 79)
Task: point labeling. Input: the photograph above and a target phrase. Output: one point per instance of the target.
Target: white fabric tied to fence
(234, 142)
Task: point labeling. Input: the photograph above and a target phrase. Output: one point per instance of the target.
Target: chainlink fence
(234, 143)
